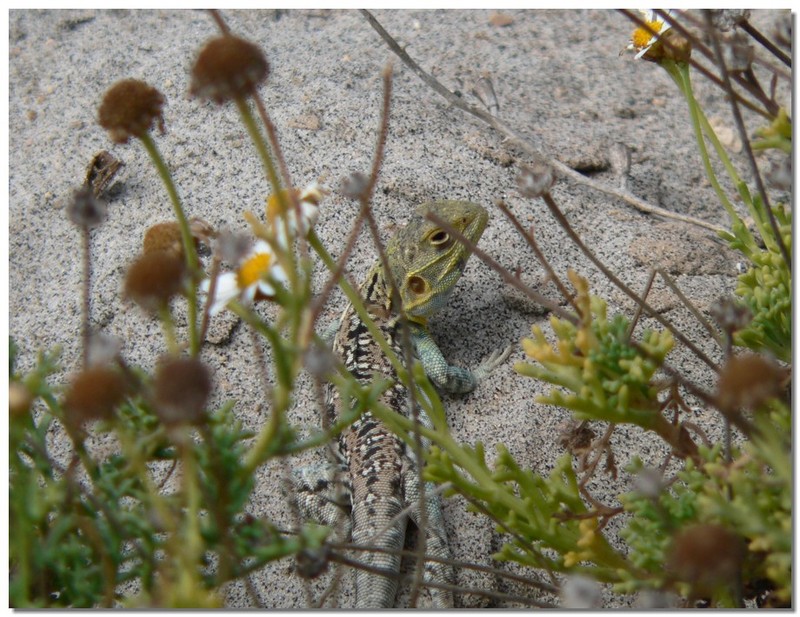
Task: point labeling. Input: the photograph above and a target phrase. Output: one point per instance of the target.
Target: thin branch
(686, 302)
(503, 272)
(534, 246)
(766, 43)
(562, 220)
(340, 558)
(220, 21)
(514, 137)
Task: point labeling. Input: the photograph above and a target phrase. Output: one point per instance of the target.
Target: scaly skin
(376, 468)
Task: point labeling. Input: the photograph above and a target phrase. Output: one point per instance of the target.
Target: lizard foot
(498, 357)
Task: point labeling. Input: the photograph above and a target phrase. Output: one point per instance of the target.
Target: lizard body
(377, 469)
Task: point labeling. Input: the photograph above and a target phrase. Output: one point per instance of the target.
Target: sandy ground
(559, 81)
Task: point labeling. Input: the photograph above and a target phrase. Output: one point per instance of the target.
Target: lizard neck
(377, 295)
(376, 291)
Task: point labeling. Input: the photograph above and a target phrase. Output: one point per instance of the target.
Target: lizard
(375, 467)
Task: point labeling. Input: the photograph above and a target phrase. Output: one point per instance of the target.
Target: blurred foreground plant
(164, 521)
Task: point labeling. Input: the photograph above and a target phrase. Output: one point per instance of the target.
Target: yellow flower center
(274, 207)
(642, 37)
(253, 270)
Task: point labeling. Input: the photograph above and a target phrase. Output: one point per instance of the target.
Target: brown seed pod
(95, 393)
(707, 556)
(129, 109)
(182, 387)
(154, 278)
(164, 237)
(747, 381)
(20, 399)
(228, 67)
(535, 180)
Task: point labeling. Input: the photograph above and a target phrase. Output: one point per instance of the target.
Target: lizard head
(427, 261)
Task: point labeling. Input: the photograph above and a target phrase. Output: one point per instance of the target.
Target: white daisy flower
(309, 199)
(642, 39)
(249, 282)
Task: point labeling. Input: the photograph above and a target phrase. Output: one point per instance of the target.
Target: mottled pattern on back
(377, 470)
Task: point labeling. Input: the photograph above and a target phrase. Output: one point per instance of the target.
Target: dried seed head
(779, 175)
(355, 185)
(737, 53)
(20, 399)
(167, 236)
(575, 437)
(129, 109)
(182, 387)
(95, 393)
(649, 482)
(707, 556)
(84, 210)
(536, 180)
(228, 67)
(747, 381)
(678, 48)
(319, 361)
(725, 19)
(154, 278)
(103, 348)
(164, 237)
(730, 315)
(313, 562)
(233, 247)
(580, 592)
(202, 231)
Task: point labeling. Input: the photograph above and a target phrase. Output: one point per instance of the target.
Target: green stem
(186, 238)
(189, 556)
(680, 74)
(262, 147)
(262, 448)
(681, 79)
(260, 144)
(168, 325)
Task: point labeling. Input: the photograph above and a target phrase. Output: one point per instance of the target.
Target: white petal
(249, 294)
(264, 287)
(261, 246)
(310, 213)
(227, 289)
(278, 273)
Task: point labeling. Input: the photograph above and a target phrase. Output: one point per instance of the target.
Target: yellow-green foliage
(541, 514)
(749, 493)
(607, 376)
(766, 289)
(74, 544)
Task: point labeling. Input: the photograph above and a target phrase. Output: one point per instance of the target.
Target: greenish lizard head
(427, 261)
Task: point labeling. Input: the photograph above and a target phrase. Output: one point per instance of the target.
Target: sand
(559, 81)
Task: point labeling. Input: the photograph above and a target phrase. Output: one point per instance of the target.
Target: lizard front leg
(447, 377)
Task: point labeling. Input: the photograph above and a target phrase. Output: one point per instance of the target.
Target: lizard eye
(417, 284)
(440, 238)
